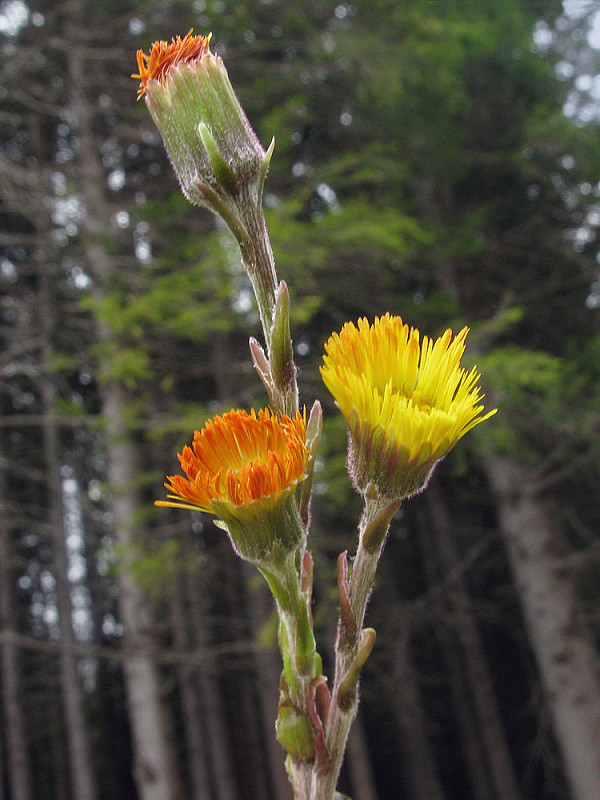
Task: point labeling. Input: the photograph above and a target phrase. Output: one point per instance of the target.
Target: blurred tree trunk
(211, 709)
(61, 789)
(357, 760)
(268, 671)
(155, 770)
(15, 739)
(252, 690)
(483, 725)
(76, 730)
(566, 657)
(247, 731)
(417, 757)
(196, 745)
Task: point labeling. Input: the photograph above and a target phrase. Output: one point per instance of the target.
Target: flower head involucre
(406, 402)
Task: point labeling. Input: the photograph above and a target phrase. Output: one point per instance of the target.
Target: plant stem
(300, 651)
(357, 590)
(259, 263)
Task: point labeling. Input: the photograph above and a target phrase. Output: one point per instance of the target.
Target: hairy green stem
(259, 263)
(353, 644)
(301, 663)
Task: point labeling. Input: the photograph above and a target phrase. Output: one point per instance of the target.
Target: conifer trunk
(155, 771)
(61, 788)
(196, 745)
(253, 766)
(567, 660)
(418, 757)
(76, 732)
(17, 750)
(489, 730)
(357, 760)
(268, 668)
(211, 706)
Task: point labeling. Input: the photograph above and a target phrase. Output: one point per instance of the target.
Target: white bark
(76, 729)
(567, 660)
(268, 670)
(195, 738)
(17, 751)
(154, 764)
(489, 743)
(155, 770)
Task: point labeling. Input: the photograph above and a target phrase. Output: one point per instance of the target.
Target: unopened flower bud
(215, 153)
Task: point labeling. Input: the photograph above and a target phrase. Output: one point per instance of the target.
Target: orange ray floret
(165, 55)
(238, 458)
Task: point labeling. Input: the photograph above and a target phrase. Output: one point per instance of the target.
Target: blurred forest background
(439, 159)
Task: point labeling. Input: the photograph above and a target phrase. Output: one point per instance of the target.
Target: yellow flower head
(406, 402)
(244, 468)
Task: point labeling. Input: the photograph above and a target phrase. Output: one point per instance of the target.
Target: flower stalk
(353, 643)
(219, 162)
(406, 402)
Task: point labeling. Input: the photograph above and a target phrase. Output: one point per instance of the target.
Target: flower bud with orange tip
(406, 402)
(244, 468)
(216, 155)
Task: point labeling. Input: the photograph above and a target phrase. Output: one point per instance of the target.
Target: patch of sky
(14, 15)
(59, 183)
(143, 251)
(78, 278)
(8, 270)
(68, 212)
(299, 169)
(142, 246)
(543, 37)
(593, 216)
(594, 32)
(136, 26)
(242, 301)
(593, 299)
(328, 196)
(116, 180)
(302, 347)
(122, 219)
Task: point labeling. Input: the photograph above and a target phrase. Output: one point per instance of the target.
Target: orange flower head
(244, 468)
(240, 458)
(166, 55)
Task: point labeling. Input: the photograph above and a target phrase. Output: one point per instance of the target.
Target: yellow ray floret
(382, 375)
(238, 458)
(166, 55)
